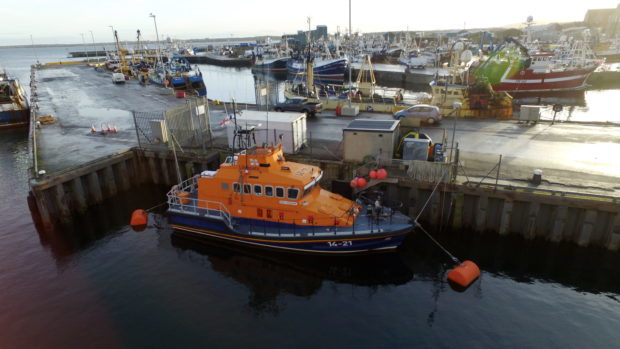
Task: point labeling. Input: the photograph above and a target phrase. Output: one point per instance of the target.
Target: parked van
(118, 78)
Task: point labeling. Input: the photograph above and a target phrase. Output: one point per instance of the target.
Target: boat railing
(183, 197)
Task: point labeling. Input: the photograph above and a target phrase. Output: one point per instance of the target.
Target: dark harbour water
(99, 284)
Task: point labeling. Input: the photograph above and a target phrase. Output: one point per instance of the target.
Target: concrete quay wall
(62, 195)
(554, 216)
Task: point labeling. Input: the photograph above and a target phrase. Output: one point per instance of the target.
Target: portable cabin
(269, 126)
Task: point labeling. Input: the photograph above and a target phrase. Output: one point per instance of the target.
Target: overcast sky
(62, 21)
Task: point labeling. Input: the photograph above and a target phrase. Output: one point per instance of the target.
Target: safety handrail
(196, 205)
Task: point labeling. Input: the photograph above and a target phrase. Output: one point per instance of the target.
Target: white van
(118, 78)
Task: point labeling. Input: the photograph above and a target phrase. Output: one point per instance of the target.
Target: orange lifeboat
(258, 198)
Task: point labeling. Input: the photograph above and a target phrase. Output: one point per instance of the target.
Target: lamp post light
(84, 46)
(457, 106)
(156, 35)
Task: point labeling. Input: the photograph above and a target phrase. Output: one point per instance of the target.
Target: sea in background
(97, 283)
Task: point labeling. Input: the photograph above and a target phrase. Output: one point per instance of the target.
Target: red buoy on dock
(361, 182)
(139, 219)
(382, 173)
(464, 274)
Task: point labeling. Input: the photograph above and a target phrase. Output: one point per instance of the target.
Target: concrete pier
(85, 168)
(61, 196)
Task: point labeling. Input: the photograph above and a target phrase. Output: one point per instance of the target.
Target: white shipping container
(291, 125)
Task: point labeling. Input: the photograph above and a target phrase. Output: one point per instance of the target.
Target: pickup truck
(301, 105)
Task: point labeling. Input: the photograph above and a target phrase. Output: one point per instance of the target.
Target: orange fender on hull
(464, 274)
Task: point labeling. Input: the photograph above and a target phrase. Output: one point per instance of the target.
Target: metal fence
(187, 126)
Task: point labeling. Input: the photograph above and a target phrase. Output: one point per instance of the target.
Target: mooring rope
(454, 259)
(431, 196)
(156, 206)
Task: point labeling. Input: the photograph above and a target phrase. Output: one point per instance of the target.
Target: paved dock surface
(574, 156)
(80, 97)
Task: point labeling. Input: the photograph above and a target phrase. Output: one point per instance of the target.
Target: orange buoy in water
(139, 218)
(464, 274)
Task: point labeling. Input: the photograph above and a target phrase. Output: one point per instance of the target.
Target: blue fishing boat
(328, 69)
(14, 108)
(178, 73)
(272, 65)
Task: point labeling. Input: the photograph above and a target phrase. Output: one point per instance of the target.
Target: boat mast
(309, 63)
(157, 61)
(350, 58)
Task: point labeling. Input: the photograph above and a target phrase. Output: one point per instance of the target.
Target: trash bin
(537, 177)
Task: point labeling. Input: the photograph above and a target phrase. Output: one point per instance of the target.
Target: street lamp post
(93, 39)
(85, 49)
(457, 106)
(156, 34)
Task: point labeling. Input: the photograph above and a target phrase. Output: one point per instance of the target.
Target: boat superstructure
(178, 74)
(14, 108)
(258, 198)
(525, 66)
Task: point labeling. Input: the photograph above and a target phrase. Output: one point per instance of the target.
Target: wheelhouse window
(268, 190)
(279, 192)
(237, 187)
(247, 189)
(258, 189)
(292, 193)
(225, 186)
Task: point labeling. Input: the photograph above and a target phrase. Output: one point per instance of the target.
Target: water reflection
(527, 261)
(84, 230)
(269, 275)
(566, 98)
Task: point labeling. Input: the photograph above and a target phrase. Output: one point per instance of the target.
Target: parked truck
(299, 104)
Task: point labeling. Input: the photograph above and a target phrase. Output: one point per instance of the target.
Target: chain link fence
(187, 126)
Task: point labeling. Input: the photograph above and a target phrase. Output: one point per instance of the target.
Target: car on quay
(118, 78)
(301, 105)
(420, 113)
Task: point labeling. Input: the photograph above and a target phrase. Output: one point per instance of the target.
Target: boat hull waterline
(326, 243)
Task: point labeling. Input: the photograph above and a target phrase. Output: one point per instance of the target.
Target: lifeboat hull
(297, 239)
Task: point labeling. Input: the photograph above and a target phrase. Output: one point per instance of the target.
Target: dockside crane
(121, 55)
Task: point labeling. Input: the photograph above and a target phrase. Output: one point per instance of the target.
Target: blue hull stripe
(328, 244)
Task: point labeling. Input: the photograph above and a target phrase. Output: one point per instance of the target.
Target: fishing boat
(547, 71)
(456, 93)
(178, 73)
(14, 109)
(524, 66)
(326, 69)
(610, 51)
(257, 198)
(270, 58)
(272, 65)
